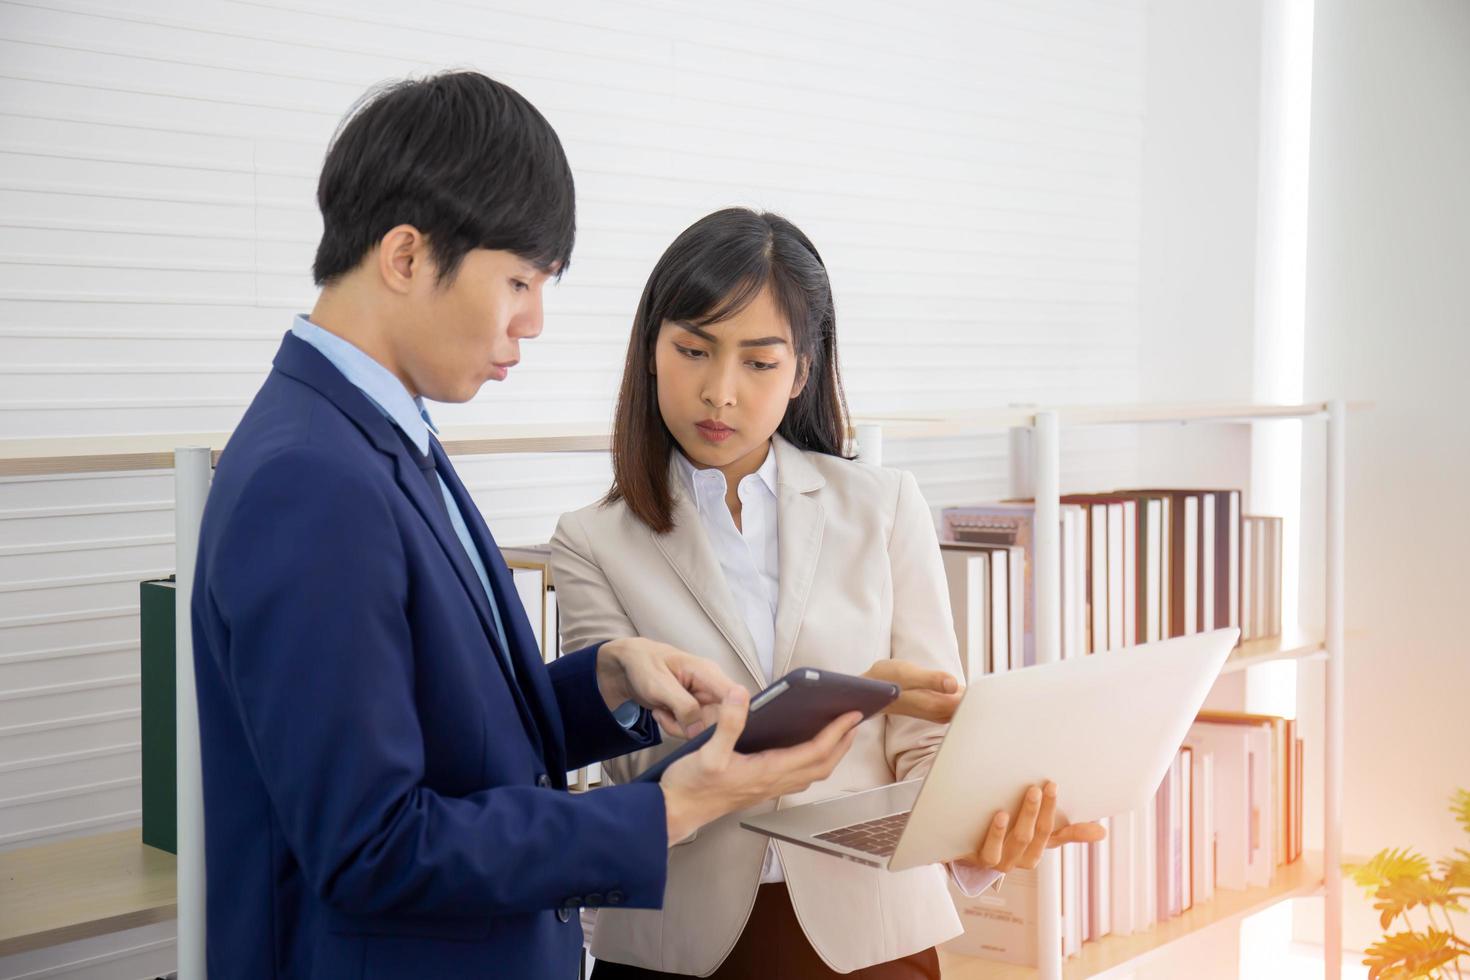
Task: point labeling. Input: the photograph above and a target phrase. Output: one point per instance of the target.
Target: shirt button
(564, 915)
(615, 897)
(593, 900)
(544, 781)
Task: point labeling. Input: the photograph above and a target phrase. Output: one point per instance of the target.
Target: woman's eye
(762, 365)
(520, 285)
(690, 352)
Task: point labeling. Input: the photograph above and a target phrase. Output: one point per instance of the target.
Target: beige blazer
(860, 579)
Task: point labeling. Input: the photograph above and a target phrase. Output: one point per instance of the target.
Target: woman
(737, 530)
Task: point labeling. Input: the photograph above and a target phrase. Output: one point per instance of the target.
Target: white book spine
(1207, 561)
(1097, 524)
(1102, 883)
(1191, 565)
(1117, 614)
(999, 612)
(1235, 566)
(1150, 863)
(1120, 841)
(1130, 573)
(1154, 570)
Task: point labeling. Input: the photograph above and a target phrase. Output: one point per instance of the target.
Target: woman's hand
(929, 694)
(716, 780)
(1037, 826)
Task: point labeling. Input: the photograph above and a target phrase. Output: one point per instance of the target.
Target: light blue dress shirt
(388, 394)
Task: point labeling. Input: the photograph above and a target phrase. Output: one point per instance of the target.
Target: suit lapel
(799, 532)
(688, 551)
(301, 361)
(523, 651)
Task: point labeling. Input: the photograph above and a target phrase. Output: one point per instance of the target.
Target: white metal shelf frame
(1035, 472)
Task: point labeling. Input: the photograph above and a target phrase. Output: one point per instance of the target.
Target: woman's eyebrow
(706, 335)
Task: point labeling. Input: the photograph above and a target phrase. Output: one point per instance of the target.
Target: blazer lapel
(688, 550)
(301, 361)
(523, 652)
(799, 532)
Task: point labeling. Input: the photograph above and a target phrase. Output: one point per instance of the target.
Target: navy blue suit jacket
(381, 798)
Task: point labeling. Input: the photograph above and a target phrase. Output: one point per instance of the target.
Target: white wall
(1388, 321)
(971, 172)
(1197, 264)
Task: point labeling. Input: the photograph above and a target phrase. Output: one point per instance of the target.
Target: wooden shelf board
(1301, 878)
(104, 454)
(84, 887)
(101, 454)
(1292, 645)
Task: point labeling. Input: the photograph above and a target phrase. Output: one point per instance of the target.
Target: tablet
(793, 710)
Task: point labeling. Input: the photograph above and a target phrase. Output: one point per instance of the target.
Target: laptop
(1104, 728)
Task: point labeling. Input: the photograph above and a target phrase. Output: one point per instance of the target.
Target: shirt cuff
(628, 714)
(973, 881)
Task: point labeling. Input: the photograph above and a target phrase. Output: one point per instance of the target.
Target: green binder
(160, 745)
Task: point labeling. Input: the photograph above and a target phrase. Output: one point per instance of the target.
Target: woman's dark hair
(711, 271)
(461, 157)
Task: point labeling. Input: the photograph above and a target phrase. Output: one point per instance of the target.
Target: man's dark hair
(463, 158)
(710, 273)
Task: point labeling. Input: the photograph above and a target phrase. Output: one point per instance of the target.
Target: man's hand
(1037, 826)
(929, 694)
(717, 780)
(679, 688)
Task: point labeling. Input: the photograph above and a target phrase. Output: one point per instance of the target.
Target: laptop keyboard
(877, 837)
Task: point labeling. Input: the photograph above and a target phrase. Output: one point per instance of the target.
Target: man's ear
(403, 257)
(803, 374)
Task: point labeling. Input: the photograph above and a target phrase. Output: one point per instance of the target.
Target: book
(1227, 747)
(1100, 884)
(1185, 820)
(1112, 568)
(1071, 901)
(1123, 880)
(1011, 524)
(157, 600)
(1280, 762)
(967, 573)
(1261, 790)
(1002, 525)
(1003, 612)
(1001, 923)
(1202, 827)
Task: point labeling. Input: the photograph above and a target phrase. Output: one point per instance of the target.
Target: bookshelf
(1298, 879)
(1036, 460)
(1035, 467)
(84, 887)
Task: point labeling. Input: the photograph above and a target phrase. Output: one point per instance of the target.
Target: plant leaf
(1460, 807)
(1387, 865)
(1403, 894)
(1457, 870)
(1408, 955)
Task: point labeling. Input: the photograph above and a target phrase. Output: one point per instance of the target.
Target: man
(384, 751)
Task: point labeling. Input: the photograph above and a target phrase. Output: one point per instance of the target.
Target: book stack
(1137, 566)
(530, 572)
(1227, 814)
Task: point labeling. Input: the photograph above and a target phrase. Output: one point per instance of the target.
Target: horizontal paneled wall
(970, 172)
